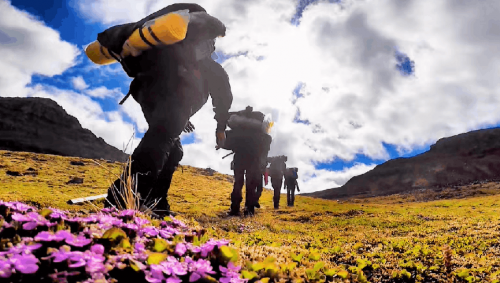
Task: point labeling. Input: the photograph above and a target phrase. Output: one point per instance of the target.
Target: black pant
(249, 165)
(276, 182)
(290, 192)
(167, 111)
(260, 188)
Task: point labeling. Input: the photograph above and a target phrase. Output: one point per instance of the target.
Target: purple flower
(165, 234)
(78, 241)
(130, 226)
(127, 213)
(20, 217)
(155, 274)
(149, 231)
(173, 279)
(139, 247)
(199, 268)
(180, 249)
(29, 225)
(94, 265)
(5, 268)
(21, 248)
(230, 274)
(108, 210)
(60, 235)
(141, 221)
(178, 223)
(26, 264)
(97, 249)
(173, 267)
(110, 220)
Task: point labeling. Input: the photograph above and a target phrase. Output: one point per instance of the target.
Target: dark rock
(453, 161)
(30, 169)
(14, 173)
(40, 125)
(75, 180)
(77, 163)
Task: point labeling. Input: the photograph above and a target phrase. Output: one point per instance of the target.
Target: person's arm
(297, 184)
(222, 97)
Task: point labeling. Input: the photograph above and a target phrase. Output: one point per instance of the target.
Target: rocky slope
(462, 159)
(40, 125)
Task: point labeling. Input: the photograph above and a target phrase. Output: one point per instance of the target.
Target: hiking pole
(228, 155)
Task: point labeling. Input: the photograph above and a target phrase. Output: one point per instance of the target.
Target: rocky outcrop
(457, 160)
(40, 125)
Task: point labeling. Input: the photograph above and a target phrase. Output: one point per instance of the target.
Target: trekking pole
(228, 155)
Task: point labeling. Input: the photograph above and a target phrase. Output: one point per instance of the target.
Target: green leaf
(248, 274)
(136, 265)
(314, 256)
(361, 277)
(45, 212)
(297, 258)
(265, 280)
(406, 274)
(395, 274)
(463, 274)
(311, 274)
(256, 267)
(159, 245)
(343, 274)
(156, 258)
(269, 260)
(318, 266)
(330, 272)
(114, 234)
(124, 243)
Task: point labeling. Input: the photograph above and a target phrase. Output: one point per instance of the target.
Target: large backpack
(246, 133)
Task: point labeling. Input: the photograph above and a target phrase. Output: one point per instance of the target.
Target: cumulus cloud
(29, 47)
(103, 92)
(79, 83)
(352, 96)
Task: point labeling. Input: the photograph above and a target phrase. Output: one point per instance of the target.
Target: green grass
(387, 239)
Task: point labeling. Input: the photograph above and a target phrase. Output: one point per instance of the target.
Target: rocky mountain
(40, 125)
(457, 160)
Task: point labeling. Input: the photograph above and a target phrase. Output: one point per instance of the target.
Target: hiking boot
(257, 205)
(233, 213)
(249, 211)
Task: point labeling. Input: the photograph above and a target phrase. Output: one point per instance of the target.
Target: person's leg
(288, 196)
(162, 185)
(293, 197)
(252, 174)
(239, 178)
(260, 187)
(277, 188)
(166, 117)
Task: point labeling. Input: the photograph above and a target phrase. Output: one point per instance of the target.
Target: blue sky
(376, 87)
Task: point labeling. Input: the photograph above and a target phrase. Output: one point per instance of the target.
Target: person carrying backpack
(249, 141)
(291, 177)
(171, 83)
(277, 170)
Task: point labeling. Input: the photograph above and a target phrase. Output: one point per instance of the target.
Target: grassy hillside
(403, 238)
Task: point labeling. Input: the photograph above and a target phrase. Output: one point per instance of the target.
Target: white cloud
(29, 47)
(353, 96)
(79, 83)
(103, 92)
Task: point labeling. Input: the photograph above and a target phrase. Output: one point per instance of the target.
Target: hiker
(290, 183)
(171, 83)
(277, 170)
(249, 141)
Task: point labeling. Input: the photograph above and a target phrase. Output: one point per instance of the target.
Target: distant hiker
(291, 177)
(171, 83)
(277, 170)
(250, 142)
